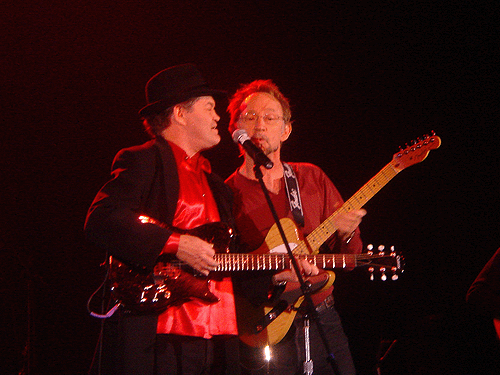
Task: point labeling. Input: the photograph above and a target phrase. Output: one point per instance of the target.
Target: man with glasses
(263, 112)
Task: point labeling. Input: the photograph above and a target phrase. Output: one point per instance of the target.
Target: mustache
(260, 137)
(263, 138)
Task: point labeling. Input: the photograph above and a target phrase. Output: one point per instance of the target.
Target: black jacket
(145, 182)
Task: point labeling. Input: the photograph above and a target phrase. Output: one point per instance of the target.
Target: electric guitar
(170, 283)
(250, 317)
(174, 282)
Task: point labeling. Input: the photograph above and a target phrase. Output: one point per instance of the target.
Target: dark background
(363, 78)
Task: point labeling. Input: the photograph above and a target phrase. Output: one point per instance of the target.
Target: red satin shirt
(196, 206)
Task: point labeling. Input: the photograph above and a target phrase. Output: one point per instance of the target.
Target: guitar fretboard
(277, 262)
(319, 235)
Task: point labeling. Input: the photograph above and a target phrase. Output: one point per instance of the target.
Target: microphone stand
(310, 311)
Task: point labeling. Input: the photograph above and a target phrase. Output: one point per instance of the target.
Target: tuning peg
(371, 270)
(394, 274)
(427, 136)
(383, 277)
(381, 249)
(400, 152)
(369, 249)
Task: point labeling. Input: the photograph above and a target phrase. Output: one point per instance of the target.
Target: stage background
(363, 78)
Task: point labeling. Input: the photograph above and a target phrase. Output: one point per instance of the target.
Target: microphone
(240, 136)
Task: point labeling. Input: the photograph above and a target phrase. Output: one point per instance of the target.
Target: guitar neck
(279, 262)
(371, 188)
(319, 235)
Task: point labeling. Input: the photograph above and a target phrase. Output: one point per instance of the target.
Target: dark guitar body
(171, 282)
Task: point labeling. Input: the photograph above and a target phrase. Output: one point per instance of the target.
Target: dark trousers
(195, 355)
(130, 346)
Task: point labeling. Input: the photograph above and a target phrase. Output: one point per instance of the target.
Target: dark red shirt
(320, 198)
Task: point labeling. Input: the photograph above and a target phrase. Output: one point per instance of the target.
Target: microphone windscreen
(238, 133)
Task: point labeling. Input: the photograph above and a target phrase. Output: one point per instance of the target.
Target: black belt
(326, 304)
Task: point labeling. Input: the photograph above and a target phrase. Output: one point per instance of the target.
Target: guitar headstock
(386, 263)
(416, 152)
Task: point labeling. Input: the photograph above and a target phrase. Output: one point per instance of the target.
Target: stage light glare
(267, 353)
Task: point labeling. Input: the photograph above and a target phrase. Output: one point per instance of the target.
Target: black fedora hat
(175, 85)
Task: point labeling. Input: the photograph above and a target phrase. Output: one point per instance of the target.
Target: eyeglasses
(253, 118)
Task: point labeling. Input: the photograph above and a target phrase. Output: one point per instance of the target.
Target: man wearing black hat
(156, 187)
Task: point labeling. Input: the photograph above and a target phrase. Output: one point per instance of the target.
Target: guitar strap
(293, 193)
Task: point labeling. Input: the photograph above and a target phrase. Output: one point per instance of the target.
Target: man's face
(262, 119)
(201, 120)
